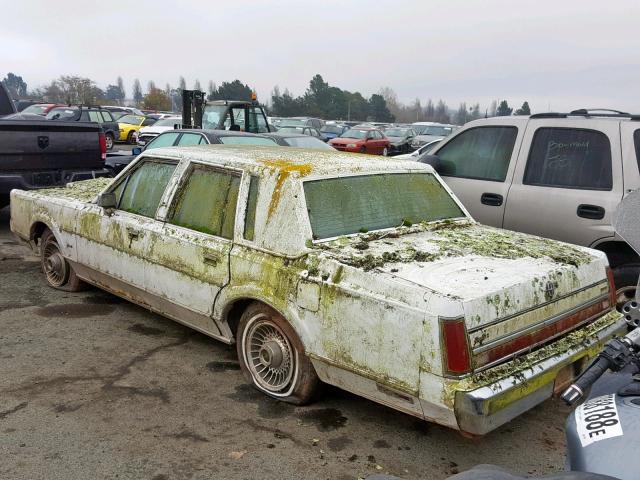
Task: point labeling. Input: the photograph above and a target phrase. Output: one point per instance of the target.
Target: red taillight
(456, 356)
(612, 288)
(103, 146)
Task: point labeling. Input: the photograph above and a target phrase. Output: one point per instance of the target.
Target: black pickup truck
(41, 153)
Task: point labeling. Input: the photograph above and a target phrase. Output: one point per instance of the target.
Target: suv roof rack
(588, 112)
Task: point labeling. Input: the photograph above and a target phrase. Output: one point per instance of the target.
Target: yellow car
(129, 126)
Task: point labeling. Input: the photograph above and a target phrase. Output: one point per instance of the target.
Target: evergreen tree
(503, 109)
(524, 109)
(137, 92)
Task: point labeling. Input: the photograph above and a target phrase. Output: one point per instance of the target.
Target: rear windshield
(331, 129)
(347, 205)
(242, 140)
(63, 113)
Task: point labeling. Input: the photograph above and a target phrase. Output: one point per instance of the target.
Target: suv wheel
(109, 139)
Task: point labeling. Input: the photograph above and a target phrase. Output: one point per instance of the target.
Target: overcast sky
(560, 53)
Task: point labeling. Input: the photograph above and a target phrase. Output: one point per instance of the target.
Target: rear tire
(385, 151)
(272, 356)
(109, 139)
(626, 280)
(57, 271)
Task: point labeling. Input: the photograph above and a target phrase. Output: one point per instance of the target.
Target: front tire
(57, 271)
(272, 356)
(130, 138)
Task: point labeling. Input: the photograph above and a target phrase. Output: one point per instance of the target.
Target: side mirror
(432, 160)
(136, 150)
(106, 200)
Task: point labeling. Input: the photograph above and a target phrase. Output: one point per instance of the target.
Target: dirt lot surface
(94, 387)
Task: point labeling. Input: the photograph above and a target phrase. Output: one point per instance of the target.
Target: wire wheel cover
(269, 355)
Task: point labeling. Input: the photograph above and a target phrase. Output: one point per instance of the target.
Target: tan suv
(555, 175)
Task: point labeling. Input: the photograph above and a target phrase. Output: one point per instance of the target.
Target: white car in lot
(363, 273)
(146, 134)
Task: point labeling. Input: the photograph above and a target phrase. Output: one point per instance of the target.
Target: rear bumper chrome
(524, 382)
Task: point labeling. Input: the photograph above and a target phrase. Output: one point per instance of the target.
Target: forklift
(242, 116)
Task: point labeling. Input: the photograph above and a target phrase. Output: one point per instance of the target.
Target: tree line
(319, 100)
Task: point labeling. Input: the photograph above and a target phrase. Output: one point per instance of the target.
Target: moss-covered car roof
(304, 161)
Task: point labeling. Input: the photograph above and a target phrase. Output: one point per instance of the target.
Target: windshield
(355, 134)
(212, 116)
(63, 113)
(292, 122)
(396, 132)
(168, 122)
(331, 129)
(131, 119)
(347, 205)
(247, 140)
(307, 142)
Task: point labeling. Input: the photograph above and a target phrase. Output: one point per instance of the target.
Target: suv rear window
(481, 153)
(569, 158)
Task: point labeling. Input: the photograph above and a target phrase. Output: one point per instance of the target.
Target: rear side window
(141, 192)
(207, 201)
(95, 116)
(106, 116)
(569, 158)
(250, 216)
(636, 141)
(481, 153)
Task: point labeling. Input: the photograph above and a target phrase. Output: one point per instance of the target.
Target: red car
(362, 140)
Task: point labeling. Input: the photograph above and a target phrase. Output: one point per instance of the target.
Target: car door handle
(592, 212)
(134, 232)
(492, 199)
(211, 258)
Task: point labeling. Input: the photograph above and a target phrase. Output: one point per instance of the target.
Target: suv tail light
(103, 146)
(613, 298)
(456, 355)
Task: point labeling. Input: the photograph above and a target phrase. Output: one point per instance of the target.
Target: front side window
(257, 122)
(163, 140)
(190, 139)
(569, 158)
(481, 153)
(347, 205)
(106, 116)
(207, 201)
(141, 191)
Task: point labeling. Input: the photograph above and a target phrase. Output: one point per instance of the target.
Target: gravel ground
(94, 387)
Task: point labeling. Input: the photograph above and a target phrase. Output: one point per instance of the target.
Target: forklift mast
(192, 103)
